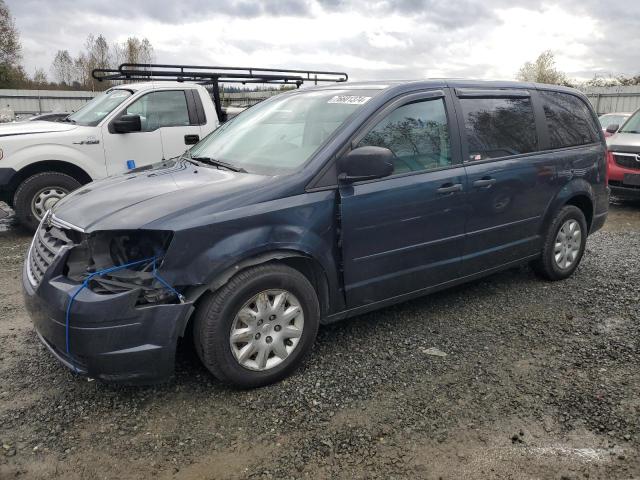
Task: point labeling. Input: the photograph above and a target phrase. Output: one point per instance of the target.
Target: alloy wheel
(568, 243)
(266, 330)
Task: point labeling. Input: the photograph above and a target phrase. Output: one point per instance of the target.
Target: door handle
(191, 139)
(484, 182)
(450, 188)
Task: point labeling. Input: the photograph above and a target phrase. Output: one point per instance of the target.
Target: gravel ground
(540, 380)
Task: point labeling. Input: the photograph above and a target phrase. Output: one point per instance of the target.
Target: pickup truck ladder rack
(208, 75)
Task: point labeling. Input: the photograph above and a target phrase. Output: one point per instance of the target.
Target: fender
(316, 274)
(208, 256)
(323, 274)
(574, 188)
(93, 165)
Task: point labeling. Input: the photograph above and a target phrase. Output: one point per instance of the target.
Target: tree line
(67, 71)
(543, 70)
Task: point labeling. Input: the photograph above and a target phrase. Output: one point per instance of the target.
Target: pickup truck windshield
(278, 136)
(93, 112)
(632, 125)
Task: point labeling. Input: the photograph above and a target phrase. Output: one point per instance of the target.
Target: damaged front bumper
(110, 337)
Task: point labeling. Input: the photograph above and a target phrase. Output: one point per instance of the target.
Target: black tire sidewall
(28, 188)
(568, 212)
(234, 298)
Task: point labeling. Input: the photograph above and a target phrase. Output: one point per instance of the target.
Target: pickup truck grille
(47, 243)
(627, 160)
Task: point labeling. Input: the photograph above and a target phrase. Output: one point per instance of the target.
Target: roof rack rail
(211, 75)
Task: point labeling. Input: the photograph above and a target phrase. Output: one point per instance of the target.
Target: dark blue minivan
(311, 207)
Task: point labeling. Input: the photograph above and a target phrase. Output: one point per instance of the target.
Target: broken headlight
(142, 250)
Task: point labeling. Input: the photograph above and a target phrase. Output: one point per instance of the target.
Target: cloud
(370, 39)
(169, 11)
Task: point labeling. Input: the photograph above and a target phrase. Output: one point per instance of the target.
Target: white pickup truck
(127, 126)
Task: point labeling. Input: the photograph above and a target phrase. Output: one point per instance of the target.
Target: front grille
(627, 160)
(47, 243)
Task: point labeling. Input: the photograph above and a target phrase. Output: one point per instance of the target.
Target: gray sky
(367, 39)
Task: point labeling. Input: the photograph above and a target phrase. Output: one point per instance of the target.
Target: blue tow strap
(105, 271)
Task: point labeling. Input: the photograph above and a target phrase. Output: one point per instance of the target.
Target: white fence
(614, 99)
(29, 102)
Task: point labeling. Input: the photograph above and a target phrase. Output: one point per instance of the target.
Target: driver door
(143, 147)
(405, 232)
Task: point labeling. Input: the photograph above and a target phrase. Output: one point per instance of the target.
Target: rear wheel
(258, 327)
(39, 193)
(563, 246)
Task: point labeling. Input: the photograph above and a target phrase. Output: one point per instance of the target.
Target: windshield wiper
(218, 163)
(67, 119)
(629, 131)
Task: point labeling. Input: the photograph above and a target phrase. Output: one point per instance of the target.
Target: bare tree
(82, 71)
(69, 71)
(542, 70)
(133, 50)
(39, 78)
(97, 56)
(63, 68)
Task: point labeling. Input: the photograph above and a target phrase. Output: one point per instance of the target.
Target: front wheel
(564, 245)
(39, 193)
(258, 327)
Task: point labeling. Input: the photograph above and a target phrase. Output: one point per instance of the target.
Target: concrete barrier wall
(29, 102)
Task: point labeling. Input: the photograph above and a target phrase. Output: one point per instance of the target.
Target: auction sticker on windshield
(349, 99)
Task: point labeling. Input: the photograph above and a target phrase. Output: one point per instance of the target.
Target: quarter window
(418, 135)
(569, 120)
(161, 109)
(499, 127)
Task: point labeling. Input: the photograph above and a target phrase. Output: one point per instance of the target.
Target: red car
(624, 159)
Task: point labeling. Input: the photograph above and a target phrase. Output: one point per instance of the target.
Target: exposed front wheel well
(307, 266)
(59, 166)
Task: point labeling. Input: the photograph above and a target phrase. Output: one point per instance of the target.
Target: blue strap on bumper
(105, 271)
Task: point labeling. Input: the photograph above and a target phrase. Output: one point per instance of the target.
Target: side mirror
(365, 163)
(127, 124)
(613, 128)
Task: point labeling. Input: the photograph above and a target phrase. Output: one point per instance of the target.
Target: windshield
(278, 136)
(93, 112)
(606, 120)
(632, 125)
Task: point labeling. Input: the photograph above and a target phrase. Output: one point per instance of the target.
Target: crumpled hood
(37, 126)
(135, 200)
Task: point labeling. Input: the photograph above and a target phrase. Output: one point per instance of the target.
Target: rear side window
(499, 127)
(569, 120)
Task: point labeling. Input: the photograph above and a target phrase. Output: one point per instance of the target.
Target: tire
(217, 315)
(546, 266)
(23, 200)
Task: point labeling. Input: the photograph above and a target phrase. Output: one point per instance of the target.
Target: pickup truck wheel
(563, 246)
(258, 327)
(39, 193)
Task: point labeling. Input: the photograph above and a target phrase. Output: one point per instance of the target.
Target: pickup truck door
(144, 147)
(181, 116)
(405, 232)
(166, 120)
